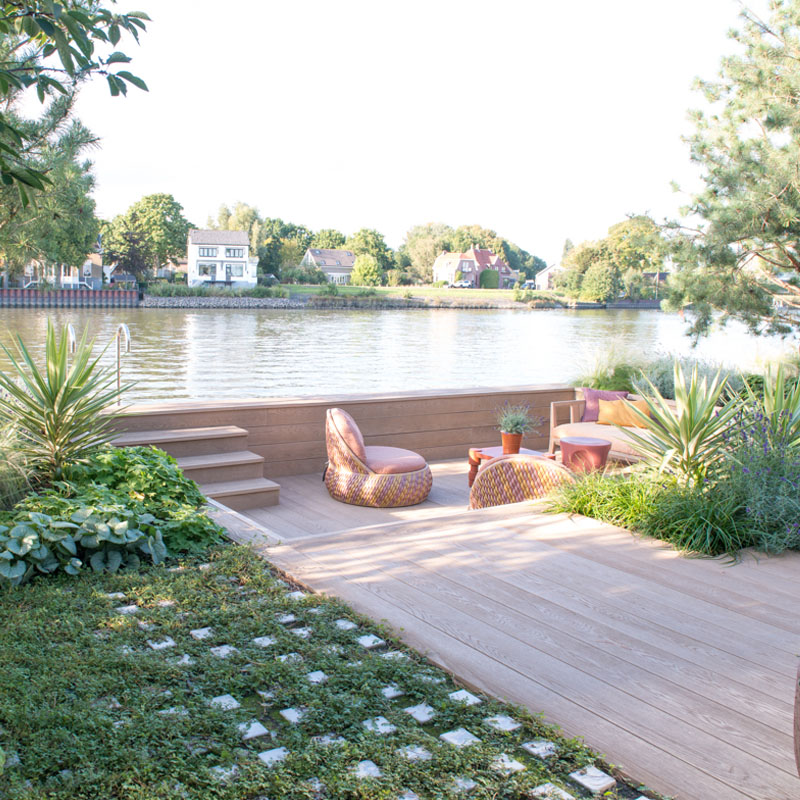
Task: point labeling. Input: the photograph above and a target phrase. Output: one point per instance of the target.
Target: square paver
(317, 677)
(163, 644)
(175, 711)
(274, 756)
(115, 595)
(266, 696)
(223, 651)
(505, 764)
(303, 633)
(328, 739)
(367, 769)
(463, 785)
(370, 641)
(226, 702)
(291, 658)
(286, 619)
(463, 696)
(379, 725)
(298, 595)
(293, 715)
(224, 774)
(502, 723)
(333, 649)
(315, 610)
(541, 748)
(201, 633)
(408, 795)
(593, 779)
(431, 678)
(264, 641)
(131, 609)
(166, 603)
(392, 691)
(146, 626)
(460, 737)
(252, 729)
(414, 752)
(422, 712)
(551, 792)
(393, 655)
(184, 661)
(345, 624)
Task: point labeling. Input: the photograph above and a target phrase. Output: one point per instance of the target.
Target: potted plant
(514, 422)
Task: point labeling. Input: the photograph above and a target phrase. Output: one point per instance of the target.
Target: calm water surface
(216, 354)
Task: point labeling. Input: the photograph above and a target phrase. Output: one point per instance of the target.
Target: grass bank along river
(225, 353)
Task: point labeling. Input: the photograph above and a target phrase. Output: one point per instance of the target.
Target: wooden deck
(681, 671)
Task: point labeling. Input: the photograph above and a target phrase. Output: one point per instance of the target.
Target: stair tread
(220, 459)
(179, 434)
(239, 487)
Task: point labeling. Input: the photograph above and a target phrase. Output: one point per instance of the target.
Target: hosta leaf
(98, 561)
(113, 560)
(12, 570)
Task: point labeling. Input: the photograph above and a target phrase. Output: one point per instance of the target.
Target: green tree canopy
(366, 271)
(328, 239)
(370, 242)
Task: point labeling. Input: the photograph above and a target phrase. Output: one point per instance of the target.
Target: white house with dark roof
(220, 258)
(336, 264)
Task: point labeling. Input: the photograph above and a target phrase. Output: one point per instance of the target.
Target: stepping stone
(264, 641)
(408, 795)
(204, 567)
(163, 644)
(317, 677)
(146, 626)
(303, 633)
(463, 696)
(502, 723)
(422, 713)
(179, 569)
(367, 769)
(414, 752)
(12, 760)
(354, 664)
(166, 603)
(291, 658)
(431, 679)
(175, 711)
(224, 774)
(463, 785)
(370, 641)
(328, 739)
(505, 764)
(274, 756)
(460, 737)
(392, 691)
(114, 704)
(393, 655)
(541, 748)
(593, 779)
(293, 715)
(184, 661)
(315, 610)
(267, 696)
(116, 595)
(298, 595)
(333, 649)
(252, 729)
(379, 725)
(286, 619)
(345, 624)
(223, 651)
(201, 633)
(131, 609)
(551, 792)
(126, 650)
(316, 786)
(226, 702)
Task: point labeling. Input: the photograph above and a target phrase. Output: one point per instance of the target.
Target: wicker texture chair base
(513, 479)
(349, 480)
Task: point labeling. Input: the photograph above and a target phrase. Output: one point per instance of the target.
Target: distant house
(545, 277)
(336, 264)
(220, 257)
(471, 264)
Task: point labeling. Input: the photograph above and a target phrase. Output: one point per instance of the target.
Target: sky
(541, 120)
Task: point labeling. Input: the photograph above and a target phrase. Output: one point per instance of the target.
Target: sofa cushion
(393, 460)
(620, 442)
(349, 431)
(591, 408)
(619, 412)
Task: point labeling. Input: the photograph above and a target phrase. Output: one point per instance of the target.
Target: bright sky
(542, 120)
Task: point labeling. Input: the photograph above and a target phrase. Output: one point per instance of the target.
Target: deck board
(681, 671)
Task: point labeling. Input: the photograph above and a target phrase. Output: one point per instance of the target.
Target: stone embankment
(150, 301)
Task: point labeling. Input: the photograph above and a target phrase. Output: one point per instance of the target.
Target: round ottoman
(583, 454)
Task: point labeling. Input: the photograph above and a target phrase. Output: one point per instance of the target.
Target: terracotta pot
(511, 442)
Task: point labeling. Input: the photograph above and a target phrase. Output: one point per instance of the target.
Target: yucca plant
(688, 439)
(62, 411)
(779, 404)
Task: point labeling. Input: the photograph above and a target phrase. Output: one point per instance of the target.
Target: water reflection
(216, 354)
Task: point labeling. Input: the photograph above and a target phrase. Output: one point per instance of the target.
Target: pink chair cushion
(349, 431)
(591, 410)
(393, 460)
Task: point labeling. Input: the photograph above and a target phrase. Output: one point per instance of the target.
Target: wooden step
(222, 467)
(182, 442)
(244, 494)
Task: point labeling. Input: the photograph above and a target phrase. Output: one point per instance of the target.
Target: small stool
(583, 454)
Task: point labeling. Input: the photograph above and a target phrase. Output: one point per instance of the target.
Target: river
(228, 354)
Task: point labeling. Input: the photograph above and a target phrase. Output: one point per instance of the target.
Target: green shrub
(331, 289)
(661, 374)
(490, 279)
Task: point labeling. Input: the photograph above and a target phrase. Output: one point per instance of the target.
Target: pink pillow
(592, 408)
(349, 431)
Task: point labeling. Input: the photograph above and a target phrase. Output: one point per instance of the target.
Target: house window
(236, 270)
(207, 270)
(321, 262)
(234, 252)
(208, 252)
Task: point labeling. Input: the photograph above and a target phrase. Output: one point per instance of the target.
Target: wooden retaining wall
(290, 433)
(69, 298)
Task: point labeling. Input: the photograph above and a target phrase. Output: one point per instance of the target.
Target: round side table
(583, 454)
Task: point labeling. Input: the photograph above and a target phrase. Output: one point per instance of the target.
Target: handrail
(123, 332)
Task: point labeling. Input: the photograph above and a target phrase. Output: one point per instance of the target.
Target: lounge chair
(381, 477)
(514, 478)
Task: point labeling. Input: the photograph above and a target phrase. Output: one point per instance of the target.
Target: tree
(747, 144)
(567, 247)
(328, 239)
(600, 282)
(369, 242)
(422, 244)
(53, 47)
(366, 271)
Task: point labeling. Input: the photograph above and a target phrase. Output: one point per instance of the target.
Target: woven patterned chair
(512, 479)
(381, 477)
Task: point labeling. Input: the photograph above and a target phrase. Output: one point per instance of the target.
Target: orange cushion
(393, 460)
(616, 412)
(349, 431)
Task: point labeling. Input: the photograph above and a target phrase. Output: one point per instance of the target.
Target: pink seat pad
(393, 460)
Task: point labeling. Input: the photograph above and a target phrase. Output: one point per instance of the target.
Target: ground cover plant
(121, 701)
